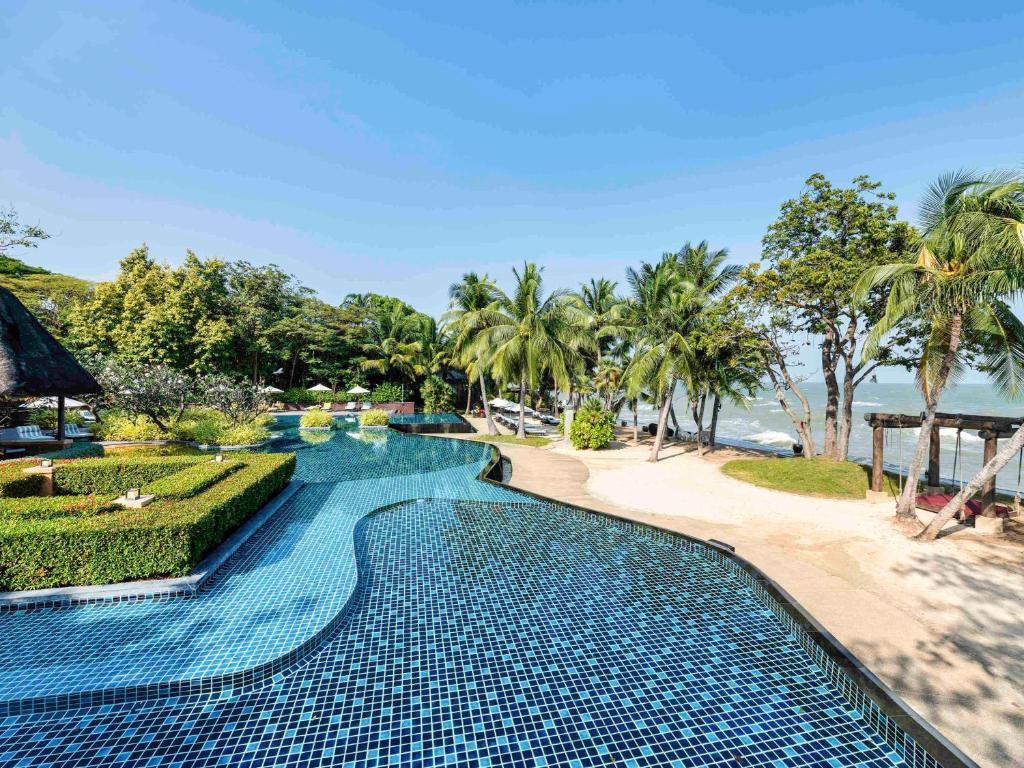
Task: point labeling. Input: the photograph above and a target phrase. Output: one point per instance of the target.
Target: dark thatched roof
(32, 362)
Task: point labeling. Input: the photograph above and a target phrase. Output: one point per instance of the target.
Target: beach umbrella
(319, 388)
(273, 390)
(51, 402)
(357, 390)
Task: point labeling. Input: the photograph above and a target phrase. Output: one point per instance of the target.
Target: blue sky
(390, 147)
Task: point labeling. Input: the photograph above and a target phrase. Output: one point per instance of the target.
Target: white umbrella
(51, 402)
(319, 388)
(273, 390)
(357, 390)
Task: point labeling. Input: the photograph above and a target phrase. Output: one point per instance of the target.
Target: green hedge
(40, 507)
(115, 474)
(167, 538)
(14, 483)
(79, 450)
(191, 480)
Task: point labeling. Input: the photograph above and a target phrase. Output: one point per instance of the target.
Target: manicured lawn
(814, 477)
(534, 441)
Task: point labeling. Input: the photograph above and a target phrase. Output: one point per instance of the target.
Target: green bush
(46, 418)
(202, 425)
(117, 425)
(316, 419)
(192, 480)
(14, 483)
(375, 417)
(593, 426)
(43, 507)
(79, 450)
(300, 396)
(114, 474)
(166, 538)
(437, 396)
(388, 392)
(152, 450)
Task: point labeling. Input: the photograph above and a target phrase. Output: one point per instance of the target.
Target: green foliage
(14, 483)
(112, 475)
(152, 450)
(192, 480)
(301, 396)
(43, 507)
(534, 441)
(46, 418)
(78, 450)
(117, 425)
(593, 426)
(374, 418)
(387, 392)
(166, 538)
(437, 396)
(201, 425)
(316, 419)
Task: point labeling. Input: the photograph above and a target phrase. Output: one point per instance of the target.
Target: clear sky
(390, 147)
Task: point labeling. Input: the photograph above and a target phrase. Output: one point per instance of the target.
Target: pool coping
(460, 427)
(942, 751)
(151, 589)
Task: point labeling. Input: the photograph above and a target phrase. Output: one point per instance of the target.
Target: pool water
(442, 621)
(425, 418)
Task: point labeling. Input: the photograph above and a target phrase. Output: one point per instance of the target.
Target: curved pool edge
(883, 710)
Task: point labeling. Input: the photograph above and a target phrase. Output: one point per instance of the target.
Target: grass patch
(814, 477)
(534, 441)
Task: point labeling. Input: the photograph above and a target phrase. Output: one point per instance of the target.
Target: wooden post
(60, 417)
(877, 448)
(988, 490)
(934, 446)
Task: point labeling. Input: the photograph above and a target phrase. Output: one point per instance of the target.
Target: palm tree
(598, 299)
(658, 317)
(528, 333)
(970, 259)
(707, 269)
(392, 345)
(607, 380)
(472, 294)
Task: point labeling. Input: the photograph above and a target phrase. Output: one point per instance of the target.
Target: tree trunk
(636, 418)
(521, 427)
(715, 408)
(850, 381)
(659, 436)
(801, 425)
(491, 429)
(469, 396)
(908, 500)
(828, 370)
(987, 473)
(675, 421)
(700, 424)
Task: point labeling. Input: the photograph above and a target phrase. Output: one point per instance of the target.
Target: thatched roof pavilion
(33, 363)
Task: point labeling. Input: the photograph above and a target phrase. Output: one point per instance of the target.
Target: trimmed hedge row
(14, 483)
(114, 474)
(191, 480)
(41, 507)
(167, 538)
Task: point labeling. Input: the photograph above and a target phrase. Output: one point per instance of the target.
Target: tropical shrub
(301, 396)
(316, 419)
(437, 395)
(375, 417)
(119, 425)
(151, 450)
(202, 425)
(238, 401)
(46, 418)
(114, 474)
(388, 392)
(166, 538)
(593, 426)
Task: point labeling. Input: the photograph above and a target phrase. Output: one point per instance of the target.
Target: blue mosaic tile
(441, 621)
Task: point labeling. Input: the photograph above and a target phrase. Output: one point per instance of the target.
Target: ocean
(762, 423)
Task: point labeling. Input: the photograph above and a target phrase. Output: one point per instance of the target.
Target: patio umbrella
(357, 390)
(319, 388)
(272, 390)
(51, 402)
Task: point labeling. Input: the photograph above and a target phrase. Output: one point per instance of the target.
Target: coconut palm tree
(598, 299)
(528, 332)
(969, 262)
(658, 317)
(707, 269)
(471, 294)
(393, 346)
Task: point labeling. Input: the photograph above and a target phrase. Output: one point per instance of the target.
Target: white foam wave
(867, 404)
(770, 437)
(948, 435)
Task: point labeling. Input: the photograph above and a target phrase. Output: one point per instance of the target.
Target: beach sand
(941, 623)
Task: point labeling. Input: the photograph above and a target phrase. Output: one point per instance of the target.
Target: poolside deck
(941, 624)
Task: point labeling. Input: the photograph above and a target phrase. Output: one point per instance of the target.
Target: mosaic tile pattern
(484, 628)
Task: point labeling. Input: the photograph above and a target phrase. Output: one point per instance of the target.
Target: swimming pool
(426, 418)
(428, 618)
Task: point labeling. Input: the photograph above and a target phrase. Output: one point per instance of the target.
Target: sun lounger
(367, 406)
(73, 430)
(350, 405)
(934, 502)
(30, 432)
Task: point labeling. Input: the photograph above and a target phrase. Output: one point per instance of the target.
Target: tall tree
(529, 332)
(970, 261)
(393, 346)
(812, 256)
(472, 294)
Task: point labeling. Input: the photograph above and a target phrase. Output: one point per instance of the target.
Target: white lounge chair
(367, 406)
(30, 432)
(350, 405)
(73, 430)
